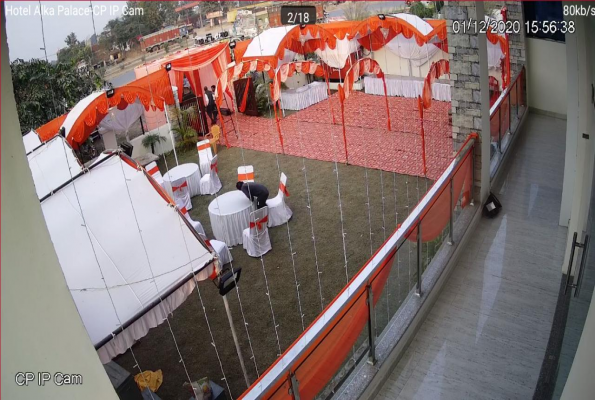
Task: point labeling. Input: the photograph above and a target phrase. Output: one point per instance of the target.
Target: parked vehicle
(156, 40)
(209, 38)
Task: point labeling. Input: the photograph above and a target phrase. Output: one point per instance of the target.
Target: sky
(24, 31)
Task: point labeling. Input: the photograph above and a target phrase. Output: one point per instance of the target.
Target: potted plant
(183, 128)
(150, 140)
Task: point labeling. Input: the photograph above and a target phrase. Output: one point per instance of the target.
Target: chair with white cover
(279, 211)
(204, 156)
(246, 173)
(181, 193)
(210, 183)
(256, 239)
(196, 224)
(222, 250)
(153, 170)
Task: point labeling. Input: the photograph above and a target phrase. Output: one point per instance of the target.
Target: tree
(421, 10)
(71, 40)
(44, 91)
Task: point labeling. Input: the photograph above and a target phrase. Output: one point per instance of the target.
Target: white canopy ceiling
(128, 256)
(31, 141)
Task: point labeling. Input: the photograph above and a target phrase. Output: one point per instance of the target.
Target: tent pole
(171, 136)
(235, 340)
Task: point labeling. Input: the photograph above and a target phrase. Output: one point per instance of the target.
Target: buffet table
(406, 86)
(230, 215)
(303, 97)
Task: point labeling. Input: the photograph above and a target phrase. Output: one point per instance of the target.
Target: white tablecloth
(405, 87)
(190, 172)
(305, 96)
(230, 215)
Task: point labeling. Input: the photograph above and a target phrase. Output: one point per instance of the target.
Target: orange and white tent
(152, 92)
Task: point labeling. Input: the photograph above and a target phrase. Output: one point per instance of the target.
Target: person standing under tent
(210, 103)
(254, 191)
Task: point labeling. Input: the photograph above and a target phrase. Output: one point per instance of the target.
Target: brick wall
(464, 68)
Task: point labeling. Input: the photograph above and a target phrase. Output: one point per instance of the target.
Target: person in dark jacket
(254, 191)
(211, 105)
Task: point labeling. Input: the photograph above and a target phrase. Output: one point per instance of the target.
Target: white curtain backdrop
(120, 121)
(337, 57)
(410, 50)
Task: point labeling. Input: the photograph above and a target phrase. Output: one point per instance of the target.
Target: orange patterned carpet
(311, 133)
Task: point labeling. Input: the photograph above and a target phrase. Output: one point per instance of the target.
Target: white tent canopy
(408, 48)
(31, 141)
(128, 256)
(115, 121)
(52, 165)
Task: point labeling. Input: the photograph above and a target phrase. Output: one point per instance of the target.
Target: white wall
(41, 328)
(580, 384)
(547, 75)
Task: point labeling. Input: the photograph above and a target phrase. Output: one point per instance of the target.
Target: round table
(230, 215)
(190, 172)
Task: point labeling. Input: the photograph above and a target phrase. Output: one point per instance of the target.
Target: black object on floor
(492, 206)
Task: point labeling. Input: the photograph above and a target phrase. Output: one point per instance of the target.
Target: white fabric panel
(120, 121)
(410, 50)
(303, 97)
(494, 55)
(267, 43)
(31, 141)
(210, 183)
(416, 21)
(279, 211)
(338, 56)
(138, 329)
(49, 166)
(75, 113)
(230, 215)
(106, 249)
(405, 87)
(222, 250)
(189, 171)
(256, 241)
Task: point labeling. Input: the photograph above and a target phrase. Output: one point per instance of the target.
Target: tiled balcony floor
(486, 336)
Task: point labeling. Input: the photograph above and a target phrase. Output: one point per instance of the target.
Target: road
(374, 8)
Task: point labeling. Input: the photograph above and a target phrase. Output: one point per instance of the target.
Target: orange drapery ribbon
(278, 124)
(386, 101)
(245, 96)
(203, 146)
(342, 101)
(246, 177)
(283, 188)
(259, 223)
(420, 104)
(176, 188)
(153, 170)
(222, 125)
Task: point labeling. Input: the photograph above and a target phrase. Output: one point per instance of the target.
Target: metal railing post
(509, 113)
(419, 259)
(500, 128)
(294, 390)
(451, 239)
(371, 326)
(472, 202)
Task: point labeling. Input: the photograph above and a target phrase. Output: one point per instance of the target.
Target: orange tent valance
(50, 129)
(396, 26)
(153, 91)
(198, 60)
